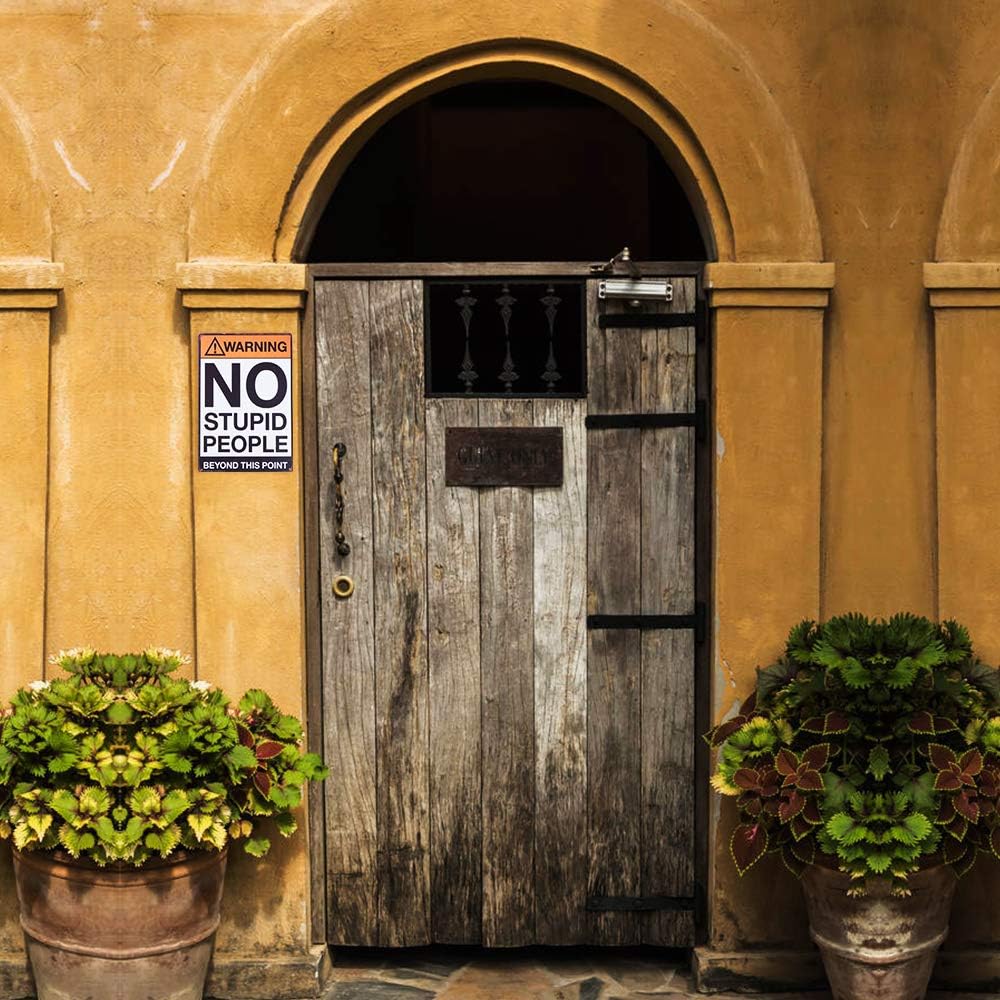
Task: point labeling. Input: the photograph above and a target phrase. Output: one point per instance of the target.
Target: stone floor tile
(634, 974)
(592, 988)
(504, 981)
(363, 989)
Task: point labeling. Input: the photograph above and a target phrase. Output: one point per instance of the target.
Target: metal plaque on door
(503, 456)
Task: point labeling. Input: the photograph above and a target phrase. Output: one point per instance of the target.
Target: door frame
(703, 528)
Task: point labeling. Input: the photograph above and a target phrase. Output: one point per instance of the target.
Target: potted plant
(122, 786)
(868, 759)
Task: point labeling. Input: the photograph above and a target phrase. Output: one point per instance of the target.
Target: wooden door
(509, 693)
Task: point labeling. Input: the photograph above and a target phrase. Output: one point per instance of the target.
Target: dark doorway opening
(517, 171)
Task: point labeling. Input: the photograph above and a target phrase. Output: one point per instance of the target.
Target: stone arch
(970, 218)
(290, 131)
(25, 225)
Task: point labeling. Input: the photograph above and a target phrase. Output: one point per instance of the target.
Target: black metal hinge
(645, 321)
(626, 421)
(633, 903)
(696, 621)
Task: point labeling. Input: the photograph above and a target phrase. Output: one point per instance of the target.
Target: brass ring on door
(343, 587)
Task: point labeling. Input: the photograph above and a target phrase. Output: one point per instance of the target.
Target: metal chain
(339, 453)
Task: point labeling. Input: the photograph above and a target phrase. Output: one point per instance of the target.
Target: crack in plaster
(168, 170)
(73, 172)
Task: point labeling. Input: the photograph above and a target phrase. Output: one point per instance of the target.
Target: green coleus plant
(872, 746)
(121, 761)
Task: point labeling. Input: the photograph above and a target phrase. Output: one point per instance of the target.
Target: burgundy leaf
(971, 763)
(809, 781)
(967, 807)
(747, 778)
(835, 723)
(792, 863)
(816, 724)
(943, 725)
(786, 762)
(811, 812)
(958, 828)
(724, 730)
(769, 782)
(268, 750)
(263, 782)
(747, 846)
(771, 807)
(246, 737)
(922, 722)
(750, 803)
(801, 827)
(817, 756)
(941, 756)
(995, 841)
(946, 812)
(805, 851)
(791, 807)
(947, 781)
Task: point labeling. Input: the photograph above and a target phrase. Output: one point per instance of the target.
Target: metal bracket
(697, 622)
(645, 321)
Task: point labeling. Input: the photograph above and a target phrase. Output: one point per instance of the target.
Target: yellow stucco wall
(139, 135)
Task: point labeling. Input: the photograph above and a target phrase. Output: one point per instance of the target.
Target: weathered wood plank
(455, 689)
(668, 709)
(613, 755)
(668, 741)
(508, 708)
(348, 642)
(613, 537)
(560, 585)
(401, 690)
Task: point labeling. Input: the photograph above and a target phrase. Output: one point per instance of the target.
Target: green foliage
(871, 745)
(120, 761)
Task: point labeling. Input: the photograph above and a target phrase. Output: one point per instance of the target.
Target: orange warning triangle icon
(215, 349)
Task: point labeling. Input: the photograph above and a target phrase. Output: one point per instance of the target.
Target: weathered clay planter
(119, 934)
(878, 946)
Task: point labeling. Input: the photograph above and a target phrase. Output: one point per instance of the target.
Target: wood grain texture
(613, 665)
(508, 708)
(668, 682)
(455, 690)
(348, 632)
(401, 692)
(614, 781)
(316, 793)
(668, 741)
(560, 575)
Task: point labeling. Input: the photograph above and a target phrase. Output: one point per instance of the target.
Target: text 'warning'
(245, 402)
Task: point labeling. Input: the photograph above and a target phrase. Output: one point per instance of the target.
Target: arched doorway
(514, 686)
(507, 171)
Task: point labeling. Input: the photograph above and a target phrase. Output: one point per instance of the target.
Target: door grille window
(505, 338)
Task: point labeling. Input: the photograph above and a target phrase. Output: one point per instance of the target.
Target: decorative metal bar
(509, 374)
(645, 321)
(633, 903)
(551, 374)
(467, 374)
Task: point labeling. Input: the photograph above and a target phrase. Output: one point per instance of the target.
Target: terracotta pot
(119, 933)
(878, 946)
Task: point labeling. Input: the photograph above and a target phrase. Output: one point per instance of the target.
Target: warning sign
(245, 402)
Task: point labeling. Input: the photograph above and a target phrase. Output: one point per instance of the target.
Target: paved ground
(576, 974)
(562, 974)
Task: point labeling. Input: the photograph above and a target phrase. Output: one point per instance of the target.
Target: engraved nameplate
(503, 456)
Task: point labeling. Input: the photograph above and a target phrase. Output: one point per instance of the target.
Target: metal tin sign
(245, 402)
(503, 456)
